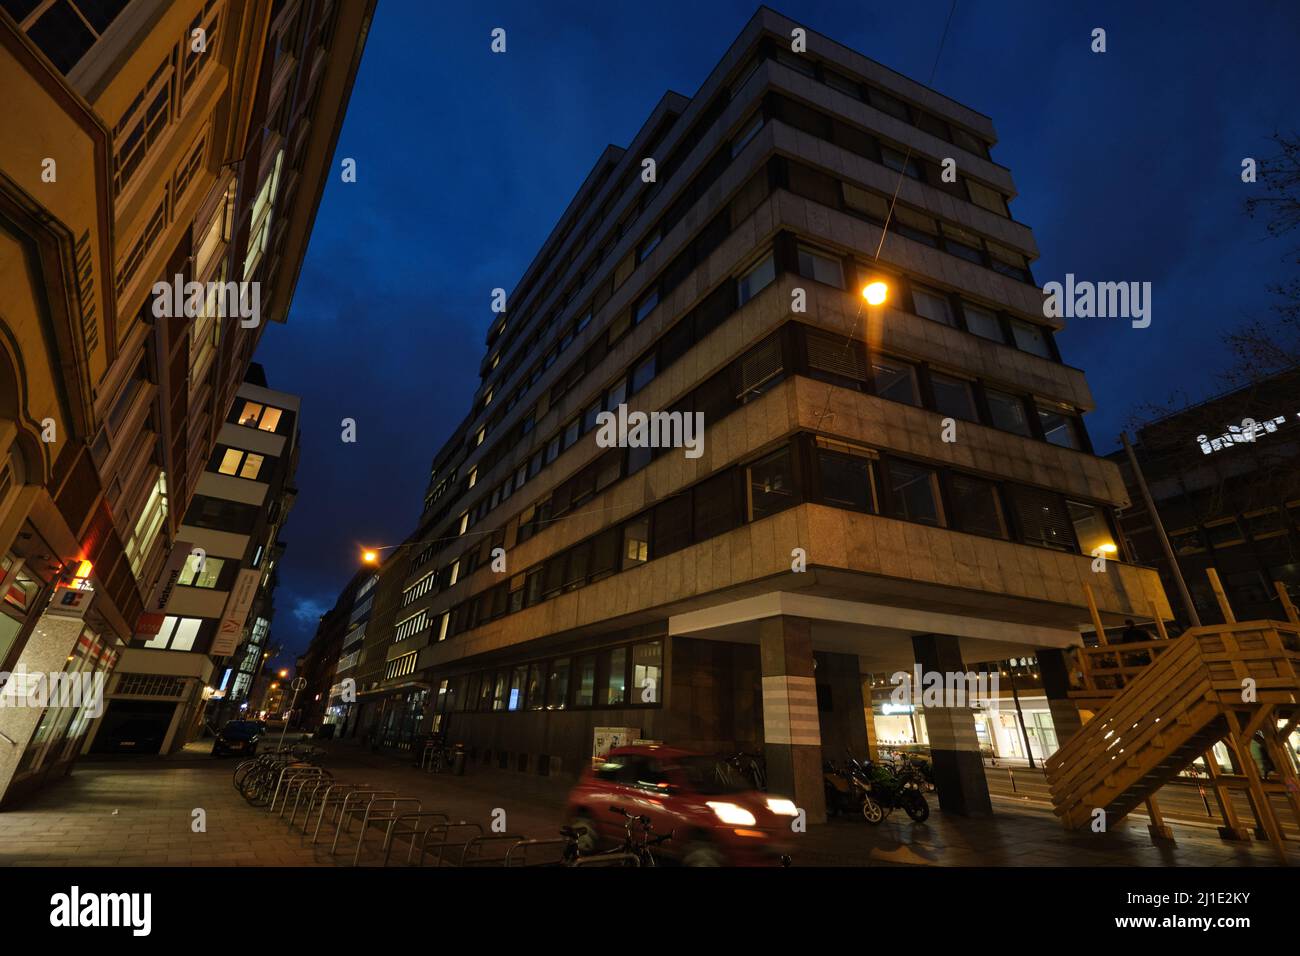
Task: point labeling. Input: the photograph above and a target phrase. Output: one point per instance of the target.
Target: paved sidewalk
(139, 813)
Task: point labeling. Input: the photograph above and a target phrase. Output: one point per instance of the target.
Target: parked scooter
(888, 788)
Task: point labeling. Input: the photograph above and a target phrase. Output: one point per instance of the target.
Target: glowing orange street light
(369, 556)
(284, 673)
(875, 292)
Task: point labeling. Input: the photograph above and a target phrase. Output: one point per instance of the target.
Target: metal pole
(1177, 571)
(298, 684)
(1024, 731)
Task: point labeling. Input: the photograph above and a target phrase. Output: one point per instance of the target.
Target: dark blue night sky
(1128, 164)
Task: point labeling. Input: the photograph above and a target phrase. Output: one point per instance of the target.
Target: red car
(714, 822)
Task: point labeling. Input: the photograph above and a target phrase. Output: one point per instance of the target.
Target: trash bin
(458, 761)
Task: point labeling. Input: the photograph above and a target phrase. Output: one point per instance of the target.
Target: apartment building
(879, 485)
(203, 638)
(141, 141)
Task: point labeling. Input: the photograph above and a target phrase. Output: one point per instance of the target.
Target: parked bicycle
(256, 779)
(636, 849)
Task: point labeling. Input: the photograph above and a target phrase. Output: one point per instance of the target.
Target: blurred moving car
(715, 820)
(238, 737)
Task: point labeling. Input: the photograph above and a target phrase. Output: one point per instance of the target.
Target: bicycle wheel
(242, 771)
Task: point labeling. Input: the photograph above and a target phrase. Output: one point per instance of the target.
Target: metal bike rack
(287, 773)
(311, 793)
(294, 788)
(477, 844)
(445, 830)
(395, 829)
(526, 845)
(381, 810)
(348, 810)
(345, 794)
(609, 859)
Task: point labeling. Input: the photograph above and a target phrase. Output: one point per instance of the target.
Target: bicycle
(636, 849)
(257, 782)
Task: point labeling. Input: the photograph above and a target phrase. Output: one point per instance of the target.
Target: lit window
(270, 420)
(252, 466)
(204, 576)
(251, 413)
(230, 461)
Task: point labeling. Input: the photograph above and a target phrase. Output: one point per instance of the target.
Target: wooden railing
(1162, 704)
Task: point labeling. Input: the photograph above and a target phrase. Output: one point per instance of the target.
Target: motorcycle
(886, 789)
(843, 790)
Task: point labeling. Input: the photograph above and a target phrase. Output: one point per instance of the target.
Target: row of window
(951, 395)
(628, 676)
(964, 398)
(1227, 532)
(809, 469)
(876, 97)
(907, 221)
(814, 352)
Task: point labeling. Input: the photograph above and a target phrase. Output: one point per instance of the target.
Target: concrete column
(791, 729)
(1054, 665)
(52, 640)
(954, 748)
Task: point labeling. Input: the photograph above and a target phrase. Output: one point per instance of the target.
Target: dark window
(978, 509)
(895, 381)
(616, 683)
(912, 492)
(584, 692)
(718, 506)
(846, 479)
(643, 373)
(953, 397)
(933, 305)
(1058, 427)
(982, 321)
(1007, 412)
(1031, 338)
(557, 687)
(760, 369)
(536, 682)
(604, 554)
(771, 485)
(1042, 519)
(835, 358)
(672, 525)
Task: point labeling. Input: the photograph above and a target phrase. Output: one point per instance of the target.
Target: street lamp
(369, 556)
(875, 292)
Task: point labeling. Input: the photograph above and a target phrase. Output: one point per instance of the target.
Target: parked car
(238, 737)
(715, 820)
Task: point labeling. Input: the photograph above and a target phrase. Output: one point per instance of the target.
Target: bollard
(1012, 775)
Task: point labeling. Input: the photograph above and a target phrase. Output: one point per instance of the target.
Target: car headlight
(731, 814)
(782, 807)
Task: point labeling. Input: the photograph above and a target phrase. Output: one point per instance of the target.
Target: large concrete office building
(1224, 478)
(140, 140)
(826, 530)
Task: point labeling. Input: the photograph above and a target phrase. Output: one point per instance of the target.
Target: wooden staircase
(1151, 709)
